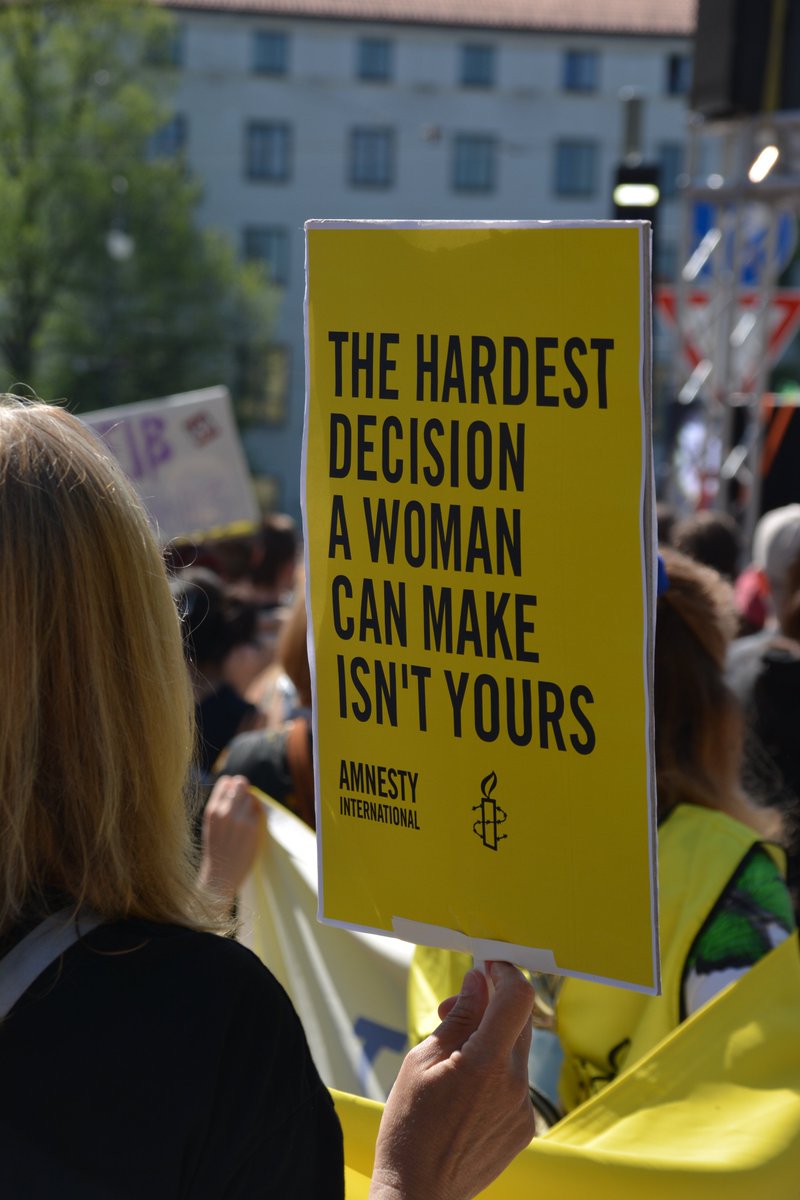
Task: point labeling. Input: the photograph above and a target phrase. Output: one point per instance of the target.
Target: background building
(517, 109)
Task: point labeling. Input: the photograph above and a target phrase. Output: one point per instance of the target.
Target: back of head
(711, 538)
(96, 732)
(698, 739)
(275, 551)
(776, 545)
(213, 620)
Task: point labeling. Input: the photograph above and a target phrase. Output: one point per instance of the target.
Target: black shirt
(155, 1062)
(219, 717)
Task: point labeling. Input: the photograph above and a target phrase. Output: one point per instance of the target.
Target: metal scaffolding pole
(722, 379)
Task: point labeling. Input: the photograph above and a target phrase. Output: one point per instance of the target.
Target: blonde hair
(96, 724)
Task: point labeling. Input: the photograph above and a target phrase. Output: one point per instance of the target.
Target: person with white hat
(776, 551)
(763, 670)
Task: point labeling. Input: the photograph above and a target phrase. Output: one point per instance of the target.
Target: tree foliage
(109, 292)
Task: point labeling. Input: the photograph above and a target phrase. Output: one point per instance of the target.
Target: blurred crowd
(762, 663)
(242, 605)
(116, 674)
(726, 701)
(727, 758)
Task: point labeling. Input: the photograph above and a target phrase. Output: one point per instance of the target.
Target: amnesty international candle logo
(491, 814)
(476, 474)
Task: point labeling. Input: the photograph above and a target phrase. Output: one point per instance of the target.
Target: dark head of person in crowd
(229, 557)
(142, 1055)
(214, 624)
(273, 560)
(711, 538)
(279, 760)
(268, 583)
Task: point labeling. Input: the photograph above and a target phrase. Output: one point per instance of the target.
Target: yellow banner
(713, 1110)
(478, 550)
(349, 989)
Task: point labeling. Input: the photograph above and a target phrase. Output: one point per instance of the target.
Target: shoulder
(778, 671)
(692, 825)
(745, 648)
(260, 756)
(699, 849)
(199, 989)
(184, 970)
(752, 916)
(238, 1091)
(224, 700)
(189, 953)
(743, 662)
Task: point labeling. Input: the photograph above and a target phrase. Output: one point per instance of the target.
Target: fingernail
(472, 984)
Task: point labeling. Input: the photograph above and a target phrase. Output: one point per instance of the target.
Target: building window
(268, 150)
(268, 244)
(477, 66)
(270, 53)
(576, 168)
(670, 161)
(170, 138)
(371, 157)
(374, 59)
(474, 162)
(679, 74)
(167, 49)
(581, 71)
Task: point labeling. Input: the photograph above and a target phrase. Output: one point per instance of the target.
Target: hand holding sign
(460, 1109)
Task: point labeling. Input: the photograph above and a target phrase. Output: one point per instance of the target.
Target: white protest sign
(184, 456)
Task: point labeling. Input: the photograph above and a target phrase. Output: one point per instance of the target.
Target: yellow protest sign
(478, 539)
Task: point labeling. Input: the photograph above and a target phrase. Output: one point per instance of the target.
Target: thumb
(465, 1014)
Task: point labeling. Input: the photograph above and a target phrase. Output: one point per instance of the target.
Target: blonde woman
(141, 1054)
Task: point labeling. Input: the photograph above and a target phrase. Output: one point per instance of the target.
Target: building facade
(399, 109)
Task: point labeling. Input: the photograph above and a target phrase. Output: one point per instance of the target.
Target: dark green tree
(109, 292)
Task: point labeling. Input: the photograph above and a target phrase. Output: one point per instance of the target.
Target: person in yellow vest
(723, 899)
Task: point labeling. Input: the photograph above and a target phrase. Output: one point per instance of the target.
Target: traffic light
(636, 193)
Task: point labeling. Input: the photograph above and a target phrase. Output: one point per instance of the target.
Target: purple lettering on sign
(157, 449)
(140, 445)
